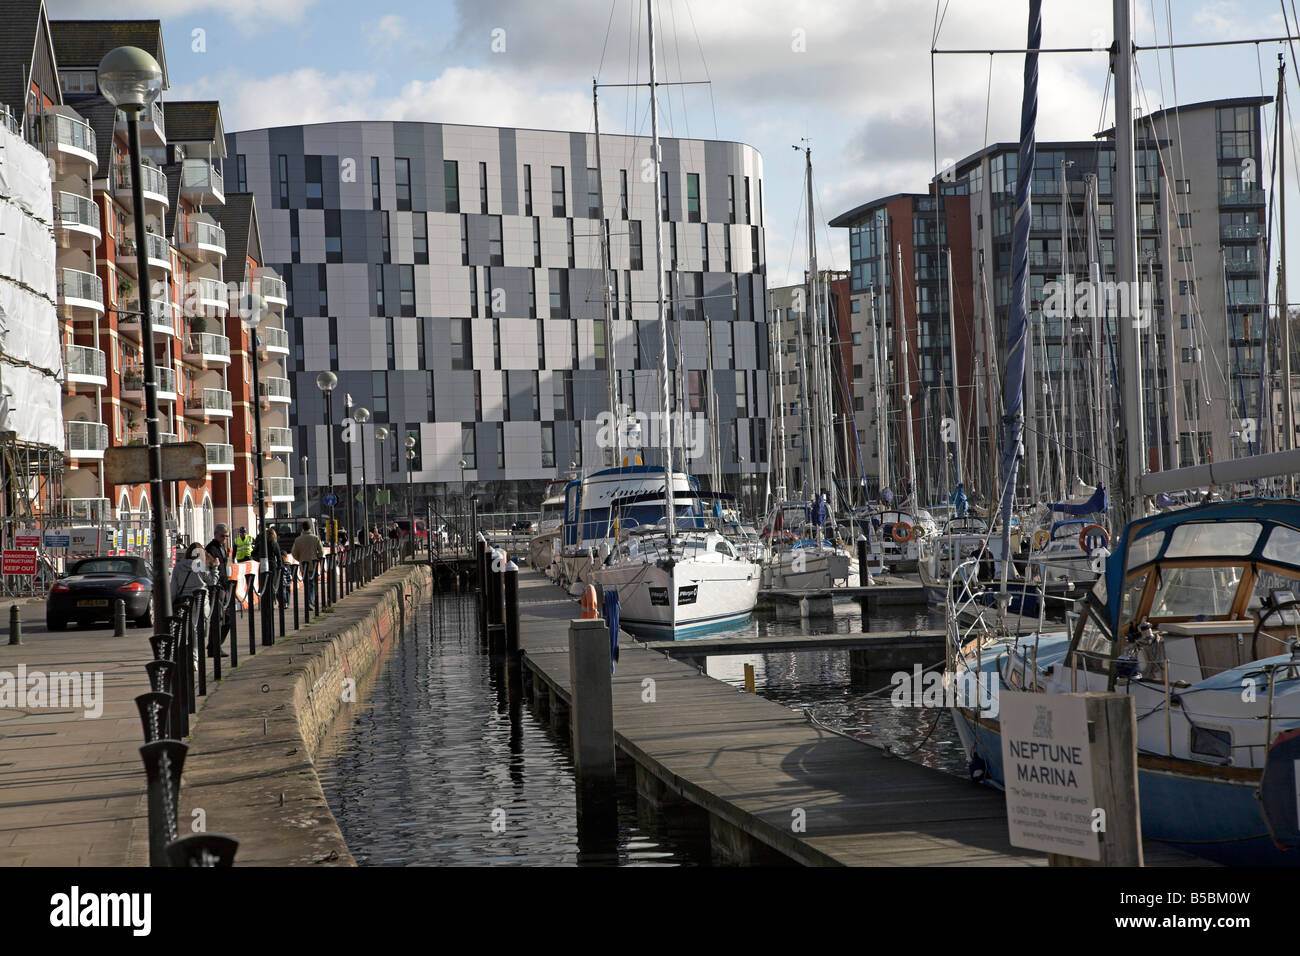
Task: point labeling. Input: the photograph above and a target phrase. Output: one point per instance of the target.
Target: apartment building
(452, 277)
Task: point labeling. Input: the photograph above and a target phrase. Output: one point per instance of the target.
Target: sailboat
(673, 577)
(1195, 615)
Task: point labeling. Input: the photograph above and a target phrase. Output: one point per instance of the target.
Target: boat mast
(907, 387)
(665, 426)
(774, 329)
(813, 320)
(882, 423)
(1132, 434)
(956, 392)
(1284, 314)
(612, 377)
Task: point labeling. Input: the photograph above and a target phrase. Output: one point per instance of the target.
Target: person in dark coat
(219, 550)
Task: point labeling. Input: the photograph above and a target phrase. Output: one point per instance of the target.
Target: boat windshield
(1194, 591)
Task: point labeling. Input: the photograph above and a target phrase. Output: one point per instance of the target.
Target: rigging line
(662, 50)
(988, 99)
(677, 50)
(705, 64)
(605, 46)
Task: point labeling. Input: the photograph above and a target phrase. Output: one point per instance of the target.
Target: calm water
(433, 770)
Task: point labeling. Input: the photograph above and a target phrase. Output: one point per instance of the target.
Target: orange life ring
(902, 532)
(589, 602)
(1088, 532)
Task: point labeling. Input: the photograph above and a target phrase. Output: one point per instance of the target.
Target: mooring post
(163, 762)
(155, 710)
(512, 607)
(1112, 735)
(864, 573)
(15, 625)
(591, 711)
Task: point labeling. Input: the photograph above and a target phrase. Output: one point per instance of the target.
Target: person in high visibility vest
(243, 545)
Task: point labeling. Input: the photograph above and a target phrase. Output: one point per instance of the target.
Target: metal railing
(86, 436)
(272, 287)
(279, 438)
(84, 360)
(213, 290)
(274, 338)
(279, 487)
(133, 379)
(1241, 232)
(152, 179)
(80, 285)
(275, 388)
(70, 209)
(61, 130)
(210, 399)
(207, 233)
(220, 455)
(201, 174)
(208, 343)
(1241, 197)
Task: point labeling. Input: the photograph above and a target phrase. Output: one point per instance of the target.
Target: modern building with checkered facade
(451, 276)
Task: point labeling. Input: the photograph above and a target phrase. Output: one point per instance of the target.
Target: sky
(851, 77)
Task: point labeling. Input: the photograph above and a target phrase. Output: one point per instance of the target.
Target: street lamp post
(306, 490)
(362, 415)
(326, 381)
(381, 433)
(131, 80)
(349, 423)
(410, 496)
(252, 308)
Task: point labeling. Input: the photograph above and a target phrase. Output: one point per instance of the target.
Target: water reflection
(438, 767)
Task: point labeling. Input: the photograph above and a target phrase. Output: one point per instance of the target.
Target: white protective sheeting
(30, 354)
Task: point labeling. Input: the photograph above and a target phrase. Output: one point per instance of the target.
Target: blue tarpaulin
(611, 615)
(1098, 503)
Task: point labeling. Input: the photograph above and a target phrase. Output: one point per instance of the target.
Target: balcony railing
(207, 344)
(153, 179)
(1044, 260)
(210, 401)
(85, 286)
(76, 212)
(198, 232)
(280, 489)
(272, 287)
(1239, 263)
(158, 249)
(133, 379)
(213, 293)
(201, 181)
(1241, 197)
(83, 363)
(153, 131)
(221, 457)
(279, 440)
(139, 437)
(1236, 299)
(274, 338)
(276, 389)
(89, 437)
(87, 509)
(1241, 232)
(68, 132)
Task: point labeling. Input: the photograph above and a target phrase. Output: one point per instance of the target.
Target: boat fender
(1089, 532)
(589, 603)
(902, 532)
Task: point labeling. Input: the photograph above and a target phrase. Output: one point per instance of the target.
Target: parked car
(87, 592)
(421, 530)
(523, 526)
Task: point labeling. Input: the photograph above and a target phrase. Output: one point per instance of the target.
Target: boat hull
(684, 600)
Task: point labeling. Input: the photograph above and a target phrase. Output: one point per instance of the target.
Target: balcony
(76, 222)
(70, 142)
(84, 366)
(141, 437)
(221, 457)
(133, 383)
(87, 509)
(1241, 197)
(274, 341)
(204, 348)
(153, 131)
(164, 318)
(158, 253)
(1044, 260)
(201, 183)
(203, 240)
(1242, 263)
(86, 439)
(1252, 233)
(81, 294)
(275, 390)
(152, 179)
(209, 403)
(211, 293)
(280, 489)
(279, 441)
(272, 288)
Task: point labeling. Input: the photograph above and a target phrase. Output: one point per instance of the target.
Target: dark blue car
(88, 591)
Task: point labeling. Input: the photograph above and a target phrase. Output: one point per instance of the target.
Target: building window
(406, 289)
(284, 182)
(598, 342)
(295, 246)
(374, 183)
(548, 444)
(663, 195)
(560, 404)
(464, 239)
(557, 192)
(334, 236)
(241, 173)
(672, 245)
(495, 254)
(537, 242)
(593, 193)
(322, 284)
(577, 443)
(419, 238)
(622, 192)
(473, 292)
(403, 181)
(1182, 186)
(541, 342)
(754, 250)
(383, 235)
(559, 285)
(569, 239)
(419, 343)
(468, 446)
(462, 351)
(482, 188)
(704, 245)
(634, 244)
(379, 288)
(451, 185)
(726, 248)
(731, 198)
(315, 186)
(693, 197)
(379, 388)
(501, 445)
(747, 220)
(496, 344)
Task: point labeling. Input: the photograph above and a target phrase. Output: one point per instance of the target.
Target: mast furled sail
(1018, 323)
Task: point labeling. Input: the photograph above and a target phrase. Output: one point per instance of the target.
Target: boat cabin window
(1213, 539)
(1193, 592)
(723, 548)
(1094, 644)
(1144, 549)
(1283, 545)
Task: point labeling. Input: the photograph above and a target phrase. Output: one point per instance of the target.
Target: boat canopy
(1099, 503)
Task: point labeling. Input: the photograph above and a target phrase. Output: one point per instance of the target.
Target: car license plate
(92, 604)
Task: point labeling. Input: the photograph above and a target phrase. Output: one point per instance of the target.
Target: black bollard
(119, 618)
(202, 850)
(280, 601)
(297, 574)
(160, 676)
(864, 574)
(511, 579)
(202, 630)
(15, 625)
(163, 762)
(251, 618)
(214, 631)
(234, 630)
(155, 709)
(267, 599)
